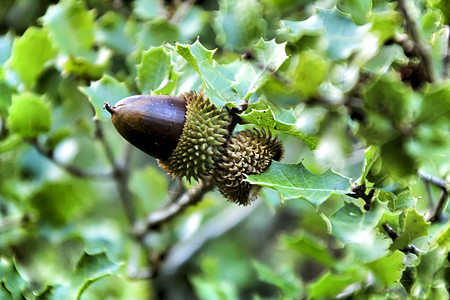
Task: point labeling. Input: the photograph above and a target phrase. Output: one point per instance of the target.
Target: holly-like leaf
(311, 70)
(399, 202)
(412, 226)
(351, 225)
(294, 30)
(344, 37)
(430, 276)
(268, 58)
(106, 89)
(112, 32)
(29, 115)
(155, 68)
(238, 23)
(389, 268)
(90, 268)
(287, 282)
(72, 26)
(6, 43)
(11, 282)
(329, 285)
(57, 202)
(5, 95)
(311, 248)
(148, 9)
(269, 55)
(358, 9)
(216, 85)
(371, 155)
(295, 181)
(263, 115)
(30, 53)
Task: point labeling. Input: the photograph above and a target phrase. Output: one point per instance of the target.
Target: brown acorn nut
(152, 123)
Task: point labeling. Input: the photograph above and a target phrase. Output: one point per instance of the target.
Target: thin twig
(71, 169)
(120, 175)
(216, 227)
(393, 235)
(3, 129)
(446, 63)
(423, 49)
(433, 180)
(436, 216)
(360, 192)
(10, 223)
(183, 9)
(157, 218)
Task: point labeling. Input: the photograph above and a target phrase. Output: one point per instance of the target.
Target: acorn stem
(109, 108)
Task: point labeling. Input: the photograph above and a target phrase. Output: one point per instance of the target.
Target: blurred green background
(342, 83)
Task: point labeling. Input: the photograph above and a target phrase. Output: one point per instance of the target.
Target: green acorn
(190, 138)
(248, 152)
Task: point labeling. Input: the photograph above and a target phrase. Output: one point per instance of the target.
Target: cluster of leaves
(344, 83)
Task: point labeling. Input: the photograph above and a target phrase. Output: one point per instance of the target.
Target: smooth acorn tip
(109, 108)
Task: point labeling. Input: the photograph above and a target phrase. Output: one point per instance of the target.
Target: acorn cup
(190, 138)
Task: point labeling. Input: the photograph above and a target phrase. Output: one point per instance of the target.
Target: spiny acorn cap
(202, 141)
(248, 152)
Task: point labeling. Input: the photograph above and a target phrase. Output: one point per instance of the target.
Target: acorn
(248, 152)
(190, 138)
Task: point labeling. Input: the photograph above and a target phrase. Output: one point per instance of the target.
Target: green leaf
(428, 275)
(310, 72)
(443, 239)
(371, 155)
(54, 292)
(295, 181)
(330, 285)
(90, 268)
(358, 9)
(281, 120)
(30, 54)
(6, 44)
(72, 26)
(344, 37)
(286, 281)
(156, 33)
(412, 227)
(269, 55)
(112, 32)
(400, 202)
(155, 68)
(310, 247)
(11, 282)
(385, 22)
(238, 23)
(351, 225)
(389, 268)
(148, 9)
(5, 95)
(294, 30)
(268, 58)
(435, 106)
(58, 202)
(106, 89)
(29, 115)
(83, 68)
(210, 289)
(216, 85)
